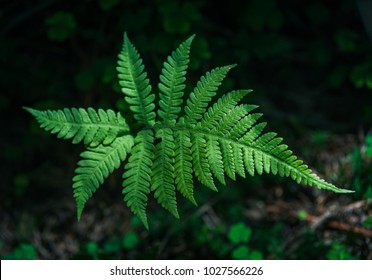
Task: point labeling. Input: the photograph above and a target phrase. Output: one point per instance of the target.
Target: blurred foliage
(309, 63)
(339, 251)
(61, 26)
(23, 251)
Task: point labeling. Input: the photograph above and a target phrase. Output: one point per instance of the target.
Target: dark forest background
(310, 65)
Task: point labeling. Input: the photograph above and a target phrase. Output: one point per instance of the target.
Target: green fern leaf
(135, 85)
(214, 156)
(208, 140)
(137, 175)
(172, 81)
(183, 164)
(224, 105)
(91, 126)
(205, 89)
(228, 159)
(200, 162)
(163, 172)
(96, 165)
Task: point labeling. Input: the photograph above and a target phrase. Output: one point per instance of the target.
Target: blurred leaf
(256, 255)
(239, 233)
(320, 137)
(112, 246)
(361, 75)
(302, 215)
(130, 240)
(92, 249)
(369, 80)
(61, 26)
(134, 221)
(203, 235)
(368, 193)
(339, 251)
(24, 251)
(241, 253)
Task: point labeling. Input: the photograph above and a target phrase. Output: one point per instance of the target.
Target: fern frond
(183, 164)
(200, 162)
(238, 160)
(87, 125)
(163, 171)
(228, 159)
(96, 164)
(223, 105)
(209, 140)
(231, 118)
(214, 156)
(135, 85)
(172, 83)
(244, 124)
(205, 89)
(137, 175)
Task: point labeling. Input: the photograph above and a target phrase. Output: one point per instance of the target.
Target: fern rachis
(204, 140)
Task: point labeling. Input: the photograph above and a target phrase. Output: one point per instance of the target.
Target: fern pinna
(209, 141)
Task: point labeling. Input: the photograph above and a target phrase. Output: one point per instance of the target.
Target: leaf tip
(144, 221)
(28, 109)
(191, 37)
(344, 191)
(79, 212)
(232, 65)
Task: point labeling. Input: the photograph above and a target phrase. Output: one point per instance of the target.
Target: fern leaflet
(96, 164)
(90, 126)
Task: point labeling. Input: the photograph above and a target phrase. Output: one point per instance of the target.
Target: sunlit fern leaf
(238, 160)
(208, 140)
(172, 83)
(135, 85)
(95, 166)
(87, 125)
(214, 156)
(200, 161)
(205, 89)
(137, 175)
(228, 160)
(182, 164)
(223, 105)
(163, 171)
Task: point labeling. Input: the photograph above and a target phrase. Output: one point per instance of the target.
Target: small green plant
(239, 235)
(208, 141)
(339, 251)
(24, 251)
